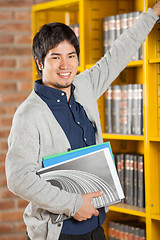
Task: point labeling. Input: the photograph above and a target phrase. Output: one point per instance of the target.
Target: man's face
(60, 66)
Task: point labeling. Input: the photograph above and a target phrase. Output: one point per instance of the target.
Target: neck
(68, 93)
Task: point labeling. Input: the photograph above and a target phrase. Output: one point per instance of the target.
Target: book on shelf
(135, 169)
(84, 170)
(108, 110)
(141, 190)
(115, 25)
(116, 108)
(130, 169)
(126, 230)
(124, 109)
(76, 29)
(137, 109)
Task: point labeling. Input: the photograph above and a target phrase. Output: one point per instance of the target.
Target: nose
(63, 63)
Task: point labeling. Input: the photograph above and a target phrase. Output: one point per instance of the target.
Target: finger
(96, 194)
(79, 217)
(96, 213)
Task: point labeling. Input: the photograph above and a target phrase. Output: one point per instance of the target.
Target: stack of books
(123, 230)
(115, 25)
(130, 168)
(124, 109)
(84, 170)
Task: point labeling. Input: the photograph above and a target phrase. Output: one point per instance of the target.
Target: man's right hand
(156, 8)
(87, 210)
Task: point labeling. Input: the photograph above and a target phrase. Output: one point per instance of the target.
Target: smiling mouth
(64, 74)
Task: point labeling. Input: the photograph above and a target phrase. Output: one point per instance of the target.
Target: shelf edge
(154, 60)
(130, 210)
(123, 137)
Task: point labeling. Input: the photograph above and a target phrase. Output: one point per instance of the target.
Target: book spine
(116, 108)
(136, 233)
(130, 19)
(135, 203)
(123, 22)
(111, 230)
(140, 109)
(117, 25)
(118, 166)
(122, 176)
(134, 109)
(130, 233)
(127, 177)
(108, 110)
(123, 110)
(125, 231)
(131, 180)
(122, 231)
(141, 181)
(129, 109)
(106, 34)
(117, 230)
(142, 234)
(112, 30)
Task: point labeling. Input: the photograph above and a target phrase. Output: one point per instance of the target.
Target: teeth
(64, 74)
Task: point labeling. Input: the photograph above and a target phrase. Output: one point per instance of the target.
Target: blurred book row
(124, 109)
(126, 230)
(130, 168)
(115, 25)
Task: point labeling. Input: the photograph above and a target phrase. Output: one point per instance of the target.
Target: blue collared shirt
(80, 133)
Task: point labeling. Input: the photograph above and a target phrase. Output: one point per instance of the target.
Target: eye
(72, 56)
(55, 57)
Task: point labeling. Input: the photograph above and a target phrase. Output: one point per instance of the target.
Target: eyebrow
(60, 54)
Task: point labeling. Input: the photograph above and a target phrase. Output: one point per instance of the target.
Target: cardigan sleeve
(22, 163)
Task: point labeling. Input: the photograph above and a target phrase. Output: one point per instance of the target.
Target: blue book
(65, 156)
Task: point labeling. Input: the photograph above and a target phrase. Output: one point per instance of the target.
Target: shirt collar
(51, 94)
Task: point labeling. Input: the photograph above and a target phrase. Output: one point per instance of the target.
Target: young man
(61, 114)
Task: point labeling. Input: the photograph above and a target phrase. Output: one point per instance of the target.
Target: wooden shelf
(135, 63)
(154, 139)
(123, 137)
(54, 4)
(131, 64)
(156, 217)
(154, 60)
(128, 209)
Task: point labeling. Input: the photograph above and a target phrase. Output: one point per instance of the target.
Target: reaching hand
(87, 210)
(156, 8)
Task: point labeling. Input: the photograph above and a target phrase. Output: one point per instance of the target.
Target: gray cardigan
(36, 133)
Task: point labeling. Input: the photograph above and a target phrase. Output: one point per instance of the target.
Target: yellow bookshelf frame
(89, 14)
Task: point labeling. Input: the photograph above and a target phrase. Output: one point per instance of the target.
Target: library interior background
(129, 109)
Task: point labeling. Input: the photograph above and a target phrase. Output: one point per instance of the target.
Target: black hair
(48, 37)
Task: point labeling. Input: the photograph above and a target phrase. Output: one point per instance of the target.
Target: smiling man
(61, 114)
(60, 67)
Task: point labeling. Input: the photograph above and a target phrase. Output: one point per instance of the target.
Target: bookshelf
(89, 15)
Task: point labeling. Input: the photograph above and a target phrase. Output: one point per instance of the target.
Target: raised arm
(106, 70)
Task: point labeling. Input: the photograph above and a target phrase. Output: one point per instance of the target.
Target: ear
(39, 64)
